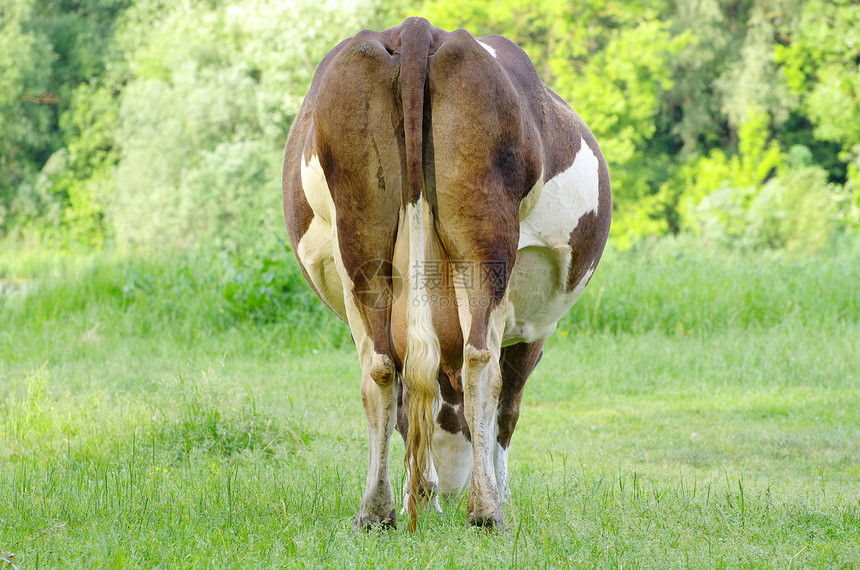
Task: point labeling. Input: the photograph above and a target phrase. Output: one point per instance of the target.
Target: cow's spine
(421, 361)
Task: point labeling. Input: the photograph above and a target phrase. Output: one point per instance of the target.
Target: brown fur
(518, 362)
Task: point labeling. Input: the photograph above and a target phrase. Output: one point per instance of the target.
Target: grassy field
(696, 408)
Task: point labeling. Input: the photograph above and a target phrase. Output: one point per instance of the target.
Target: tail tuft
(420, 369)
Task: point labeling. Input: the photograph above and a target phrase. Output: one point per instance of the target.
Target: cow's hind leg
(518, 362)
(485, 162)
(482, 378)
(379, 396)
(357, 140)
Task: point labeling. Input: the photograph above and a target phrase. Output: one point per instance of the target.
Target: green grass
(695, 409)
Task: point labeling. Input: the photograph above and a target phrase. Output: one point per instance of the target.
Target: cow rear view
(450, 208)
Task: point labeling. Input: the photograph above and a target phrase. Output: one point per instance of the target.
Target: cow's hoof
(493, 521)
(367, 521)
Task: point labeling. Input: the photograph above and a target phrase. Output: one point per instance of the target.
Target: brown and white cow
(450, 208)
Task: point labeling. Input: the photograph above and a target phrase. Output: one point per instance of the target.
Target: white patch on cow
(538, 296)
(315, 247)
(315, 251)
(316, 188)
(565, 198)
(538, 289)
(500, 463)
(454, 453)
(490, 49)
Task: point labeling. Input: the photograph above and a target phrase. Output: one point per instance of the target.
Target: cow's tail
(421, 361)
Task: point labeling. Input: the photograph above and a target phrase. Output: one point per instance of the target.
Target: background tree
(25, 114)
(707, 111)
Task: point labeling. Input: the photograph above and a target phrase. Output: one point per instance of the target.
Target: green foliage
(24, 120)
(693, 112)
(152, 125)
(237, 71)
(756, 159)
(269, 287)
(795, 211)
(752, 82)
(687, 286)
(200, 294)
(622, 85)
(195, 174)
(90, 157)
(65, 44)
(759, 197)
(821, 65)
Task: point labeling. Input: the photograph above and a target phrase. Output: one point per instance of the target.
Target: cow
(450, 208)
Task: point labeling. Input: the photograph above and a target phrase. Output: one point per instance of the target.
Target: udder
(538, 293)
